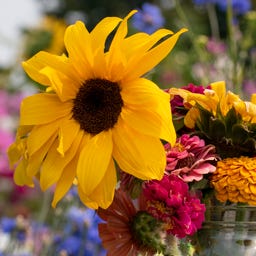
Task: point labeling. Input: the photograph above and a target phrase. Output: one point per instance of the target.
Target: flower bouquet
(222, 119)
(149, 161)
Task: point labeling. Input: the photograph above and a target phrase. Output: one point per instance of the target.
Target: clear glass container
(227, 231)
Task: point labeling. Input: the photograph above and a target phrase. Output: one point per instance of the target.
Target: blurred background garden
(220, 45)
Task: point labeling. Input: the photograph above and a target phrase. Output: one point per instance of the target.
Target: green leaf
(231, 119)
(240, 133)
(249, 147)
(203, 123)
(217, 129)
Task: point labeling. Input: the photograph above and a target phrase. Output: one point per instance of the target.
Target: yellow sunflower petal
(67, 134)
(151, 58)
(99, 36)
(141, 92)
(23, 130)
(65, 181)
(134, 43)
(94, 160)
(54, 163)
(35, 109)
(79, 46)
(136, 46)
(140, 155)
(150, 123)
(100, 65)
(147, 109)
(116, 58)
(102, 30)
(102, 196)
(14, 154)
(86, 200)
(33, 68)
(68, 177)
(36, 159)
(64, 87)
(40, 134)
(20, 177)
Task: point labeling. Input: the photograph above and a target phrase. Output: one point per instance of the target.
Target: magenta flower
(190, 158)
(170, 201)
(6, 138)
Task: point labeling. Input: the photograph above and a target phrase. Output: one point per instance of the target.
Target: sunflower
(96, 111)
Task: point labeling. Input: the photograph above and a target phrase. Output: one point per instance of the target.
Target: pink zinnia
(170, 201)
(130, 230)
(190, 158)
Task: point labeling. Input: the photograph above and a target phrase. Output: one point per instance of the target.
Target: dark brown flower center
(185, 162)
(97, 105)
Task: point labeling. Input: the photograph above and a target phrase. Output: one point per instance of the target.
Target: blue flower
(204, 2)
(7, 224)
(148, 19)
(71, 245)
(240, 7)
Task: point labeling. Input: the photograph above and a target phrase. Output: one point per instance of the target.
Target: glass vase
(227, 231)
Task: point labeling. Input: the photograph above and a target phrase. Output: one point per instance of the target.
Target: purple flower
(148, 19)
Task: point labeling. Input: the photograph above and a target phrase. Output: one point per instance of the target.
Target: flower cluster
(78, 235)
(146, 160)
(224, 120)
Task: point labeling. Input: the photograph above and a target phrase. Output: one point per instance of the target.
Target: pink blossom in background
(216, 47)
(249, 87)
(9, 112)
(6, 138)
(10, 103)
(190, 158)
(170, 201)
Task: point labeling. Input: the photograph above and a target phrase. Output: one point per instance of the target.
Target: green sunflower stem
(45, 207)
(213, 19)
(233, 50)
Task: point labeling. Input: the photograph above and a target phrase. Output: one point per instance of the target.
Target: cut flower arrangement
(149, 161)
